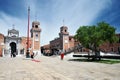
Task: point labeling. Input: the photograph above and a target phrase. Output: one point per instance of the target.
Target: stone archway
(13, 47)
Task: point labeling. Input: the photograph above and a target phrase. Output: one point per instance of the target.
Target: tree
(92, 37)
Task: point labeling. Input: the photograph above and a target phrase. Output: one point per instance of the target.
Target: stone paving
(52, 68)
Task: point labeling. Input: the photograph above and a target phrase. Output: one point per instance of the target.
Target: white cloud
(7, 22)
(75, 14)
(51, 13)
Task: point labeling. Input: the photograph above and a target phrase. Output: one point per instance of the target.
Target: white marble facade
(12, 38)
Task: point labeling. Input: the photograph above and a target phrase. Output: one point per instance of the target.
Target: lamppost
(2, 44)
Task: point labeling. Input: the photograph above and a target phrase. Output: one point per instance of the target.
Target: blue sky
(50, 14)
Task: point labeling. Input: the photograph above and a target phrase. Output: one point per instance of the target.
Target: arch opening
(13, 48)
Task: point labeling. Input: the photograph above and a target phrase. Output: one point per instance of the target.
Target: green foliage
(105, 61)
(109, 61)
(93, 36)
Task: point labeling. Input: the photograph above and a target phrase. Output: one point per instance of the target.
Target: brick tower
(35, 35)
(64, 35)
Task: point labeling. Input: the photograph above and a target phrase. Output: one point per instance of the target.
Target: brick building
(46, 49)
(66, 42)
(14, 43)
(111, 47)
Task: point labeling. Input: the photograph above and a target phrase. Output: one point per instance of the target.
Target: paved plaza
(52, 68)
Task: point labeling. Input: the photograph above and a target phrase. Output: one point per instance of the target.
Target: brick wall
(71, 42)
(56, 43)
(114, 47)
(1, 43)
(24, 43)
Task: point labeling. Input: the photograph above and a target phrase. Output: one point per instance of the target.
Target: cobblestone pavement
(52, 68)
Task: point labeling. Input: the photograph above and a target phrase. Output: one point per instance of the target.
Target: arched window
(65, 30)
(36, 35)
(36, 26)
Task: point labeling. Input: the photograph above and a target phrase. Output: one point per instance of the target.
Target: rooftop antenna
(13, 26)
(63, 22)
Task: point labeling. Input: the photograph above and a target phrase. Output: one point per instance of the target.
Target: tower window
(65, 30)
(61, 30)
(36, 35)
(36, 26)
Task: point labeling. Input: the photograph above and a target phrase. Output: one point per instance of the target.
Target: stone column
(18, 48)
(18, 52)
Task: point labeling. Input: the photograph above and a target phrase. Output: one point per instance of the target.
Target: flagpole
(27, 54)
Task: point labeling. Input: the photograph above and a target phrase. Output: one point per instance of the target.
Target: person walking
(62, 55)
(32, 55)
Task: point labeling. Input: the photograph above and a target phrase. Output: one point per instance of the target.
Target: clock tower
(64, 35)
(35, 35)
